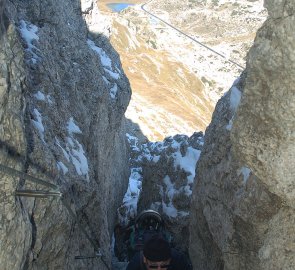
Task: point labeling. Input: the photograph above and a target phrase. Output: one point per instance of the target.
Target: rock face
(242, 212)
(269, 103)
(63, 95)
(263, 134)
(162, 176)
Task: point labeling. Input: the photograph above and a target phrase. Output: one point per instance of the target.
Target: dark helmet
(149, 220)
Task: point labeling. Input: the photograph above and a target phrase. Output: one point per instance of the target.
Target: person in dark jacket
(156, 255)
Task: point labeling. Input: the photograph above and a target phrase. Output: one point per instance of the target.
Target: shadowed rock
(63, 95)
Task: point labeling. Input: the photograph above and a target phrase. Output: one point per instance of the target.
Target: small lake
(117, 7)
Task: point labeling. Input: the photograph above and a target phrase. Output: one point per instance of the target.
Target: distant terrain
(228, 26)
(175, 81)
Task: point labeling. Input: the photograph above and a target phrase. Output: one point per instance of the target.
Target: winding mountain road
(188, 36)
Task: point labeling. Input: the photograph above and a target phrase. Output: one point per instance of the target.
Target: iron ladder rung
(37, 193)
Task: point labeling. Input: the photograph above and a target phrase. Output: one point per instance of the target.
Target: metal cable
(14, 172)
(55, 193)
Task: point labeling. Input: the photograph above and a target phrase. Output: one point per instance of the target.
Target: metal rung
(38, 193)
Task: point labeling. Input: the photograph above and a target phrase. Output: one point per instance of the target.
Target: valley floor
(175, 81)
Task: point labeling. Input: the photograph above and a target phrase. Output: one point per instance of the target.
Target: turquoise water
(117, 7)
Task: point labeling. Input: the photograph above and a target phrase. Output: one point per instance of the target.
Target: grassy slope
(167, 97)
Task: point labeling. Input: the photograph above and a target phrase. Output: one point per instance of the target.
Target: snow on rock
(235, 98)
(38, 123)
(113, 91)
(44, 54)
(133, 142)
(245, 172)
(86, 5)
(72, 127)
(188, 162)
(41, 97)
(114, 75)
(28, 32)
(107, 82)
(73, 151)
(178, 156)
(104, 58)
(128, 209)
(107, 64)
(170, 191)
(65, 154)
(161, 179)
(62, 167)
(167, 183)
(131, 196)
(77, 156)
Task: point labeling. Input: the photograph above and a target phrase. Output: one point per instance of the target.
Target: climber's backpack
(148, 224)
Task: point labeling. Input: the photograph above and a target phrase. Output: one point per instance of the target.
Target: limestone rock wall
(263, 134)
(242, 211)
(63, 95)
(269, 103)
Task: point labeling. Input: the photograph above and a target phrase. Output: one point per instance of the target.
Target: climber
(157, 254)
(147, 224)
(131, 239)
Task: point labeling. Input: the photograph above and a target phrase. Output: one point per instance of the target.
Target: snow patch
(66, 155)
(245, 172)
(28, 32)
(62, 167)
(132, 41)
(133, 142)
(114, 75)
(72, 127)
(78, 158)
(188, 162)
(169, 209)
(105, 60)
(38, 123)
(41, 97)
(113, 91)
(229, 126)
(86, 5)
(105, 80)
(74, 151)
(235, 98)
(131, 196)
